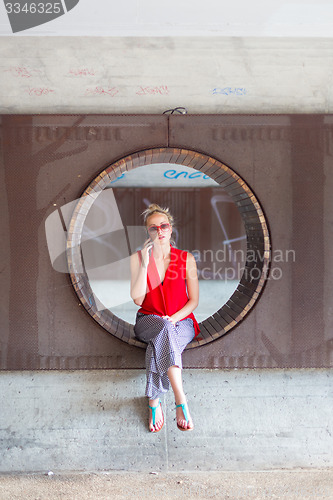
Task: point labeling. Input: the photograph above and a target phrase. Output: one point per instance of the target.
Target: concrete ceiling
(305, 18)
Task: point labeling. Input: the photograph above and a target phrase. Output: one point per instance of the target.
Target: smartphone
(151, 248)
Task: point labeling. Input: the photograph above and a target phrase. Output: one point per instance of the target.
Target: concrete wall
(152, 74)
(232, 60)
(97, 420)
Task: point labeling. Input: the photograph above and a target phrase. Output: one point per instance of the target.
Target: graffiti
(82, 72)
(229, 91)
(118, 178)
(162, 90)
(39, 91)
(111, 91)
(22, 71)
(173, 174)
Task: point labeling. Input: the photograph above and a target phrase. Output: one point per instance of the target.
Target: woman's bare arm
(139, 274)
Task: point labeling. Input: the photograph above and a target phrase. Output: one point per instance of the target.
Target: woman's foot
(184, 420)
(155, 414)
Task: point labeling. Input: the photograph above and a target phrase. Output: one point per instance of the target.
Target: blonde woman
(164, 283)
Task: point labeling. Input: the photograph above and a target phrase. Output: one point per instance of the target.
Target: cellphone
(151, 248)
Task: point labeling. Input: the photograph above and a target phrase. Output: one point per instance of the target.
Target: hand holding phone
(146, 251)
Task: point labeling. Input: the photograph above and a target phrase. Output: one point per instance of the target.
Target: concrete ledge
(97, 420)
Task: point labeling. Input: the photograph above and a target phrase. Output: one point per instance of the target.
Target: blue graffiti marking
(229, 91)
(173, 174)
(118, 178)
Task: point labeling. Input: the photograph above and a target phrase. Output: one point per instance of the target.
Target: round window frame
(256, 269)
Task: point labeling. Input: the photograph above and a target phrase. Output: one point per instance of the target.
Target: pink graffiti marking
(19, 71)
(162, 90)
(113, 91)
(22, 72)
(82, 72)
(39, 91)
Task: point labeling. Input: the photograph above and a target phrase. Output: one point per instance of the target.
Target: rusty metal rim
(258, 243)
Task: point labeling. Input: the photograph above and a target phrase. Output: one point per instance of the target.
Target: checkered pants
(166, 343)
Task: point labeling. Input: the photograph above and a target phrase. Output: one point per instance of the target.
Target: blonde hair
(156, 209)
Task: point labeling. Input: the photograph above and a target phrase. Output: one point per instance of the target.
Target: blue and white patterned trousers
(166, 343)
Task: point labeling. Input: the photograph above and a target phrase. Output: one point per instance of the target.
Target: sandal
(153, 414)
(183, 407)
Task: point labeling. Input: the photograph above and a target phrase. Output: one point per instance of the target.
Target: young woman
(164, 283)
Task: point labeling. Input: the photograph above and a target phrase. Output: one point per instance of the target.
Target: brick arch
(258, 243)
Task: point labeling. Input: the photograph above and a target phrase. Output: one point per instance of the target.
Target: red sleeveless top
(165, 299)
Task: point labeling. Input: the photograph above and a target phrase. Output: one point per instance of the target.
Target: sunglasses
(163, 227)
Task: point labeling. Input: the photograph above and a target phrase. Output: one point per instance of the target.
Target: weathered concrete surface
(129, 74)
(97, 420)
(289, 485)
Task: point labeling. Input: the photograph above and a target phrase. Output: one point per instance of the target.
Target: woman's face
(159, 228)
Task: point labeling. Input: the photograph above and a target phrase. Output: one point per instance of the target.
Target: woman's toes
(151, 426)
(190, 425)
(182, 423)
(158, 420)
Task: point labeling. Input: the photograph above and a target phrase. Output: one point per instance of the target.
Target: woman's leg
(175, 377)
(185, 333)
(154, 331)
(147, 328)
(165, 346)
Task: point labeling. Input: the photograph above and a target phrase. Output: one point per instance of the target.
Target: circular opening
(232, 271)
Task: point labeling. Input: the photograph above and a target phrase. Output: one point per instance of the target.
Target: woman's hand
(139, 273)
(171, 319)
(145, 252)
